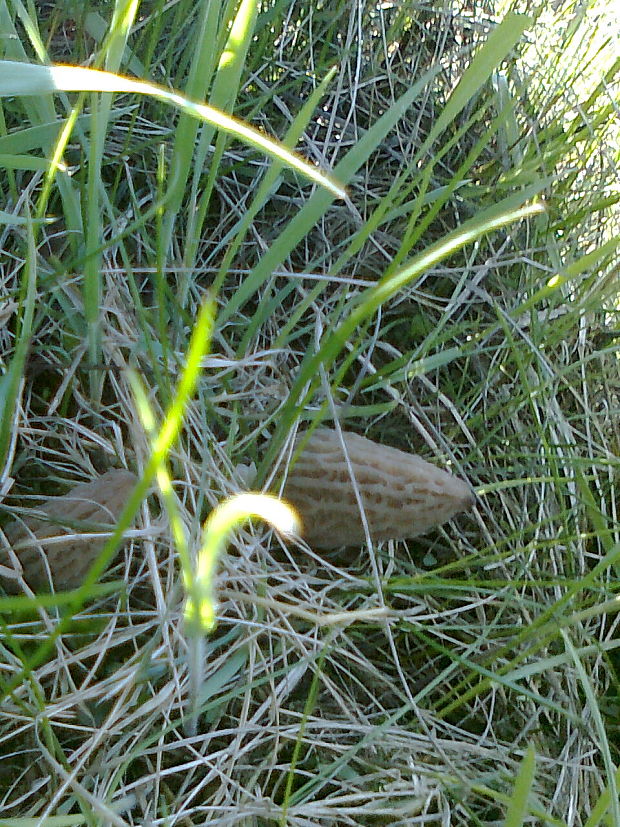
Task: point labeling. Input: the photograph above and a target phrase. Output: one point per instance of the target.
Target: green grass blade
(487, 59)
(39, 112)
(267, 184)
(319, 202)
(10, 382)
(374, 297)
(114, 48)
(518, 804)
(30, 79)
(225, 90)
(200, 75)
(602, 739)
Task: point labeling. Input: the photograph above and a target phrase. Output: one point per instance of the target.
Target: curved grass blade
(31, 79)
(372, 298)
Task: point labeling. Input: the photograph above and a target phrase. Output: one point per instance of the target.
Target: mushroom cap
(95, 505)
(402, 495)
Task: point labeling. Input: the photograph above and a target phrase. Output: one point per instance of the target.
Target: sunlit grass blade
(226, 85)
(201, 604)
(168, 433)
(38, 113)
(371, 299)
(30, 79)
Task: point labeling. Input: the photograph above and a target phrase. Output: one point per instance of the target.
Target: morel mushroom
(402, 494)
(37, 541)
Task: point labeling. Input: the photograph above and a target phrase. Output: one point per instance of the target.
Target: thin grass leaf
(225, 89)
(39, 111)
(99, 29)
(372, 299)
(20, 220)
(517, 808)
(24, 79)
(487, 59)
(11, 381)
(601, 730)
(599, 813)
(545, 627)
(319, 202)
(199, 79)
(201, 606)
(309, 707)
(113, 50)
(267, 184)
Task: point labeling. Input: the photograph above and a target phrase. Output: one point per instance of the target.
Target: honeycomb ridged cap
(402, 494)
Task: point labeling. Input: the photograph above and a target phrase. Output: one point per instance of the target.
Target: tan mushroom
(59, 539)
(402, 494)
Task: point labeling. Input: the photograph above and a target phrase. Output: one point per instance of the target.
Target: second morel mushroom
(58, 541)
(402, 494)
